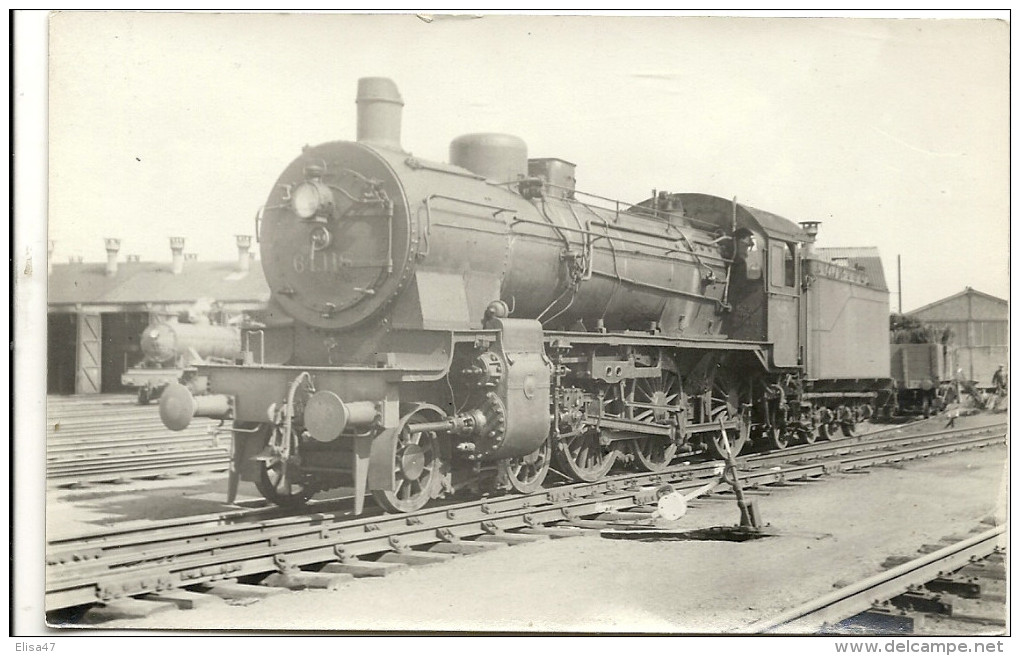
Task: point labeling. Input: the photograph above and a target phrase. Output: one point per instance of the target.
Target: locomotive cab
(764, 288)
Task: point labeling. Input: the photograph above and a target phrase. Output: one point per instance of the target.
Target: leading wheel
(416, 466)
(275, 485)
(655, 401)
(526, 474)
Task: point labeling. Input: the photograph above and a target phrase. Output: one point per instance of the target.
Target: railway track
(326, 541)
(896, 600)
(112, 438)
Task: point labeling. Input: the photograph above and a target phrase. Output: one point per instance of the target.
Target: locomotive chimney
(112, 248)
(177, 248)
(49, 256)
(811, 229)
(379, 108)
(243, 254)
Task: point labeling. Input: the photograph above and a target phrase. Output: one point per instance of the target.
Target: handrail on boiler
(498, 209)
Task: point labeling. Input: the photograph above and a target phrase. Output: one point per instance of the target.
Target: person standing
(1000, 379)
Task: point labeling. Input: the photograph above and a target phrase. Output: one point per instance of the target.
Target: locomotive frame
(476, 325)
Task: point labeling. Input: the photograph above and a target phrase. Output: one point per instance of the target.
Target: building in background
(97, 311)
(980, 325)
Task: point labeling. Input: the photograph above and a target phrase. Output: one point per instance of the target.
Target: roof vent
(243, 252)
(177, 248)
(112, 248)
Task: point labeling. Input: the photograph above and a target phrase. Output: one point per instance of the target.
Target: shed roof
(866, 258)
(968, 291)
(86, 283)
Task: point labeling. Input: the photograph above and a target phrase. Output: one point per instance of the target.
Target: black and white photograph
(488, 323)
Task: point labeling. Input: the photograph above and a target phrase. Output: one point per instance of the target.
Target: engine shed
(96, 311)
(980, 326)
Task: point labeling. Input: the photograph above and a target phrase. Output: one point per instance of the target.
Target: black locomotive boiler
(436, 327)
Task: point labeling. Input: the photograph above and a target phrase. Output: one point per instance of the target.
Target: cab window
(782, 266)
(753, 260)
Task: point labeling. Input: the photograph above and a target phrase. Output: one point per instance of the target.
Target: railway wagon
(924, 374)
(437, 327)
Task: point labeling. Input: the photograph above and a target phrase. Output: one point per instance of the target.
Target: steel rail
(829, 609)
(114, 427)
(696, 471)
(60, 428)
(147, 559)
(865, 442)
(147, 465)
(105, 441)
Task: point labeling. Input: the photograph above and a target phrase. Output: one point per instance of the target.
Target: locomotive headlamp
(310, 198)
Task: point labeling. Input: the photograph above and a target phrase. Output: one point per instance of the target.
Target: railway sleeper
(409, 557)
(924, 601)
(882, 620)
(557, 532)
(300, 580)
(184, 599)
(125, 609)
(465, 547)
(232, 590)
(363, 568)
(984, 570)
(511, 538)
(984, 611)
(959, 586)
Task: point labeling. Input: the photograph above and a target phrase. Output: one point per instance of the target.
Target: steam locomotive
(171, 351)
(435, 327)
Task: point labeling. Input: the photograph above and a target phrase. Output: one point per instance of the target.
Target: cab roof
(717, 211)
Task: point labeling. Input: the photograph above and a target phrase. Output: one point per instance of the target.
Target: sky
(892, 133)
